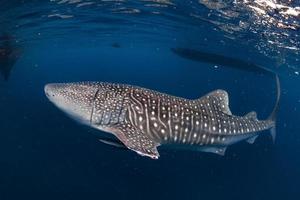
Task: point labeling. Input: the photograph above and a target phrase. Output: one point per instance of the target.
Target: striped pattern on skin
(144, 119)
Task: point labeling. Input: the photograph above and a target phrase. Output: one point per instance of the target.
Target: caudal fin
(272, 116)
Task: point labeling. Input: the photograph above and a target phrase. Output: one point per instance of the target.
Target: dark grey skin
(144, 119)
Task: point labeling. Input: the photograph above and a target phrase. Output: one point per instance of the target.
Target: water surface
(237, 46)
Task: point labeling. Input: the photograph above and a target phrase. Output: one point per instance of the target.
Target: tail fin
(272, 116)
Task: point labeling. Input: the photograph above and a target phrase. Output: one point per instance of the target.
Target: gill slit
(92, 112)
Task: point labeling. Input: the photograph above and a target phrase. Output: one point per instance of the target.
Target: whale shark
(217, 59)
(142, 119)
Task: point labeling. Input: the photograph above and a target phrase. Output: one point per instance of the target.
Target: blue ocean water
(183, 48)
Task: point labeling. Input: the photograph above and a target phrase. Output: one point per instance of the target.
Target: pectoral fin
(134, 139)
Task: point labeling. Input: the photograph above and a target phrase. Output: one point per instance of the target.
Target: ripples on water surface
(264, 27)
(185, 48)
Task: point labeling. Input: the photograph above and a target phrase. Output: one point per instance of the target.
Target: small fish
(143, 119)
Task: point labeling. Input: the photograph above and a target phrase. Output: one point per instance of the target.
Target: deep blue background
(46, 155)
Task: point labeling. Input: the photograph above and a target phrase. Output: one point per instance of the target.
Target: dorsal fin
(216, 101)
(251, 115)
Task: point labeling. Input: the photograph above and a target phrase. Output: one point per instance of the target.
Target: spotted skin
(144, 119)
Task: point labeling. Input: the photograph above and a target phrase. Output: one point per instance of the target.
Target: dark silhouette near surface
(9, 54)
(221, 60)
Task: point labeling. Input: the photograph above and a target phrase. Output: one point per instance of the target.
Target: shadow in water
(221, 60)
(115, 45)
(9, 54)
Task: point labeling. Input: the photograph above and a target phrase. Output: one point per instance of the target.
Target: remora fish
(144, 119)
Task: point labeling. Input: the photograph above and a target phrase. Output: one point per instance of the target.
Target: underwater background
(184, 48)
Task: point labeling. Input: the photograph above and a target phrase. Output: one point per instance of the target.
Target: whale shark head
(75, 99)
(95, 104)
